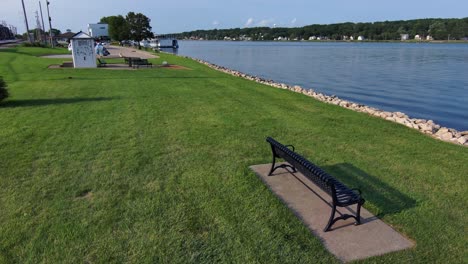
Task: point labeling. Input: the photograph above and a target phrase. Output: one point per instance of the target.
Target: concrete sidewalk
(116, 51)
(346, 241)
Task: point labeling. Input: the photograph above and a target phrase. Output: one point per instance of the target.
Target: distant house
(313, 38)
(98, 30)
(429, 38)
(360, 38)
(404, 37)
(417, 37)
(351, 38)
(64, 38)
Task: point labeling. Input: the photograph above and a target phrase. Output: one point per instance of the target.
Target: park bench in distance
(135, 62)
(102, 63)
(342, 195)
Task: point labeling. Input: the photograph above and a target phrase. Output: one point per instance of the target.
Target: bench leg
(358, 214)
(273, 168)
(331, 221)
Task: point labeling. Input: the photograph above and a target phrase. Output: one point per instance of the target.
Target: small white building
(404, 37)
(360, 38)
(429, 38)
(82, 46)
(98, 30)
(313, 38)
(351, 38)
(417, 37)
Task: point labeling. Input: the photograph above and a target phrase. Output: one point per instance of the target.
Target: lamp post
(50, 25)
(26, 20)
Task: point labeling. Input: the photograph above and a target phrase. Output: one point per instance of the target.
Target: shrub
(35, 44)
(3, 90)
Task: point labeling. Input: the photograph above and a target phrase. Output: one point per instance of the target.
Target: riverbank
(424, 126)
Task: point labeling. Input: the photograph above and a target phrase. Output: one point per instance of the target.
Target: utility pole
(50, 26)
(38, 27)
(42, 17)
(26, 20)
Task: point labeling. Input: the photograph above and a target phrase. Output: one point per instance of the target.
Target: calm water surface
(427, 81)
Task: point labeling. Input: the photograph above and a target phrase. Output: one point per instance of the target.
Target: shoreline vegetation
(428, 29)
(349, 41)
(427, 127)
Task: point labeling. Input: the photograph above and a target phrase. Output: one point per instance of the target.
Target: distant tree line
(134, 26)
(437, 28)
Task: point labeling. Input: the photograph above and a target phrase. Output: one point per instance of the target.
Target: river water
(428, 81)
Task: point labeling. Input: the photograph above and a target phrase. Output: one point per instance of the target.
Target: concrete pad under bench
(346, 241)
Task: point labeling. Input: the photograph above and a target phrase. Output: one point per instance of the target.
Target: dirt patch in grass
(85, 194)
(174, 67)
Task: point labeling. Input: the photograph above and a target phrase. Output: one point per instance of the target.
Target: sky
(184, 15)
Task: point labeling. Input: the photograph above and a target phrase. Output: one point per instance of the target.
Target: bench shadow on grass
(387, 199)
(54, 101)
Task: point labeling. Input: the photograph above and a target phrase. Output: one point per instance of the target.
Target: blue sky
(184, 15)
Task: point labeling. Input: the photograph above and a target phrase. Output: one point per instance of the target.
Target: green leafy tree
(438, 30)
(139, 27)
(118, 27)
(56, 32)
(3, 89)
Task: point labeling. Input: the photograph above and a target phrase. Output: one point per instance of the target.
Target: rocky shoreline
(424, 126)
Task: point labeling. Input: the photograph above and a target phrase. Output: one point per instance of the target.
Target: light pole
(26, 20)
(50, 26)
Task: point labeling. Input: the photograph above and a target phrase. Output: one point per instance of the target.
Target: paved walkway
(116, 51)
(346, 241)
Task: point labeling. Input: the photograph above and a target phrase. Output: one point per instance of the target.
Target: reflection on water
(427, 81)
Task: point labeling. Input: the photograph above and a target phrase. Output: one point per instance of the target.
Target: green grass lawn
(151, 165)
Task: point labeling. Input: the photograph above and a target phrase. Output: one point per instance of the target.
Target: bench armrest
(291, 146)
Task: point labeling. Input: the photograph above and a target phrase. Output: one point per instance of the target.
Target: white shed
(82, 46)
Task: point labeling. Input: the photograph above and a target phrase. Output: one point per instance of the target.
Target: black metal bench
(342, 195)
(137, 62)
(102, 63)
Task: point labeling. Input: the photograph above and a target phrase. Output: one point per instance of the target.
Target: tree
(118, 27)
(438, 30)
(56, 32)
(139, 27)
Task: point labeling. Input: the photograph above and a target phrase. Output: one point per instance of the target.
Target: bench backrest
(310, 170)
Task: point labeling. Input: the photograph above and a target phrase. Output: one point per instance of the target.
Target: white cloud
(215, 23)
(265, 23)
(293, 22)
(249, 22)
